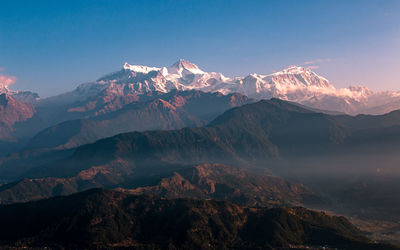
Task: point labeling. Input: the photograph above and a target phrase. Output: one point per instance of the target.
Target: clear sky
(52, 46)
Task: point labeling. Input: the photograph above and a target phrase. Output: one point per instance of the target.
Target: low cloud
(6, 80)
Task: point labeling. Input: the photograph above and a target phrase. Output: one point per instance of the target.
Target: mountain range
(171, 110)
(307, 147)
(135, 84)
(297, 84)
(285, 139)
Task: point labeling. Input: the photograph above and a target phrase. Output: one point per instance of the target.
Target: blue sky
(52, 46)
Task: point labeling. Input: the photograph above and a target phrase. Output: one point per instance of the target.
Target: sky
(52, 46)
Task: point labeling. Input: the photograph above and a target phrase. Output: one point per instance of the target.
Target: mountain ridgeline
(307, 147)
(231, 138)
(297, 84)
(207, 181)
(254, 134)
(109, 219)
(263, 134)
(156, 111)
(168, 111)
(135, 83)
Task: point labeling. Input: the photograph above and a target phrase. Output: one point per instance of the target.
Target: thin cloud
(313, 67)
(2, 69)
(318, 60)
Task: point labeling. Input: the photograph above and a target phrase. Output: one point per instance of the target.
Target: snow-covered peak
(184, 66)
(182, 63)
(293, 70)
(252, 76)
(140, 68)
(294, 83)
(23, 96)
(299, 76)
(6, 81)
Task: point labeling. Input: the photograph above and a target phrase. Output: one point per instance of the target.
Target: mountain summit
(24, 96)
(300, 76)
(139, 68)
(294, 83)
(183, 66)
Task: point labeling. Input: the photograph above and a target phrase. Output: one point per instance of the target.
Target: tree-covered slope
(101, 218)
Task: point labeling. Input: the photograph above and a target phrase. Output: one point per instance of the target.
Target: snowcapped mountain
(23, 96)
(296, 84)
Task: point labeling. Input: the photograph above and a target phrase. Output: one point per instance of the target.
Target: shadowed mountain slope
(173, 110)
(227, 183)
(245, 135)
(202, 182)
(12, 113)
(315, 149)
(101, 218)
